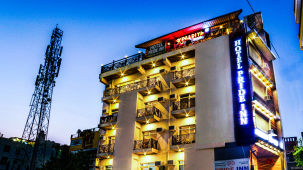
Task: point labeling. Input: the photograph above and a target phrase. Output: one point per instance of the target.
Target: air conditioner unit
(267, 97)
(160, 99)
(162, 71)
(173, 97)
(170, 162)
(158, 163)
(158, 130)
(174, 68)
(171, 128)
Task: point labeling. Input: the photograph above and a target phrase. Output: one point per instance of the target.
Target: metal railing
(183, 139)
(133, 86)
(108, 119)
(146, 144)
(269, 104)
(183, 104)
(184, 73)
(148, 112)
(106, 148)
(122, 62)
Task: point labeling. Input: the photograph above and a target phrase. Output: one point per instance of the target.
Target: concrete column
(125, 131)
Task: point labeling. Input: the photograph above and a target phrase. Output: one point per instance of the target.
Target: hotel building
(298, 11)
(202, 97)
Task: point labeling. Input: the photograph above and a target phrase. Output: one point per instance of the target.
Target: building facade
(16, 153)
(203, 97)
(290, 143)
(298, 11)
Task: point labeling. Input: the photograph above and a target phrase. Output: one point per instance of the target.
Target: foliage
(298, 154)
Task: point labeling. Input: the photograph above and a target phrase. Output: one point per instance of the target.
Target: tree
(298, 154)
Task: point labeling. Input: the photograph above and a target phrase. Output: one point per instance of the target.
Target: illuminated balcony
(146, 147)
(266, 107)
(183, 108)
(122, 62)
(148, 115)
(257, 72)
(105, 151)
(108, 122)
(145, 87)
(178, 141)
(184, 77)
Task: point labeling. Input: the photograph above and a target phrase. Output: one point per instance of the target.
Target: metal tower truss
(40, 106)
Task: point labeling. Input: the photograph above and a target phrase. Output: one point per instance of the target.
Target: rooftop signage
(193, 37)
(242, 97)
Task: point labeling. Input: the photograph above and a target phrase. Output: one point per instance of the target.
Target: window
(76, 142)
(108, 167)
(111, 139)
(147, 135)
(190, 129)
(261, 122)
(181, 165)
(6, 148)
(148, 166)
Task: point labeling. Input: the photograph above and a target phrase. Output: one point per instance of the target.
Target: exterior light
(179, 150)
(144, 153)
(148, 92)
(139, 51)
(221, 26)
(126, 56)
(154, 65)
(241, 21)
(182, 56)
(102, 64)
(186, 83)
(147, 121)
(186, 115)
(107, 157)
(206, 30)
(122, 74)
(113, 127)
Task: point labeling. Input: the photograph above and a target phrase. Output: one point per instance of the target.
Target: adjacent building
(202, 97)
(298, 10)
(290, 143)
(16, 153)
(86, 141)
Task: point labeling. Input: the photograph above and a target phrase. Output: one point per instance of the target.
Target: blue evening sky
(96, 32)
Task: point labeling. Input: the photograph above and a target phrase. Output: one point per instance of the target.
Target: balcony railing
(149, 111)
(146, 144)
(184, 73)
(183, 104)
(269, 104)
(108, 119)
(122, 62)
(133, 86)
(183, 139)
(107, 148)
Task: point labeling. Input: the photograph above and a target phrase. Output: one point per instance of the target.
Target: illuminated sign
(233, 164)
(193, 37)
(269, 138)
(157, 48)
(241, 85)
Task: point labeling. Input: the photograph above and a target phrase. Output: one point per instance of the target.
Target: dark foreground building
(15, 153)
(290, 143)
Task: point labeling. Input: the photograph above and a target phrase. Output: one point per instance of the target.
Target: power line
(258, 19)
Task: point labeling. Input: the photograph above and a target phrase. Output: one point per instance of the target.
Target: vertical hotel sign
(241, 85)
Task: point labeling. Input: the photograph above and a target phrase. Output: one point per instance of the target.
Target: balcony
(122, 62)
(108, 122)
(182, 140)
(146, 147)
(258, 72)
(148, 115)
(266, 107)
(183, 108)
(105, 150)
(149, 86)
(184, 77)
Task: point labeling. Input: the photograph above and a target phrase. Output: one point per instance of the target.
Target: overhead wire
(258, 19)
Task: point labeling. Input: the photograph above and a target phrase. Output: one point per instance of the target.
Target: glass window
(191, 129)
(111, 139)
(181, 165)
(148, 166)
(108, 167)
(76, 142)
(149, 135)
